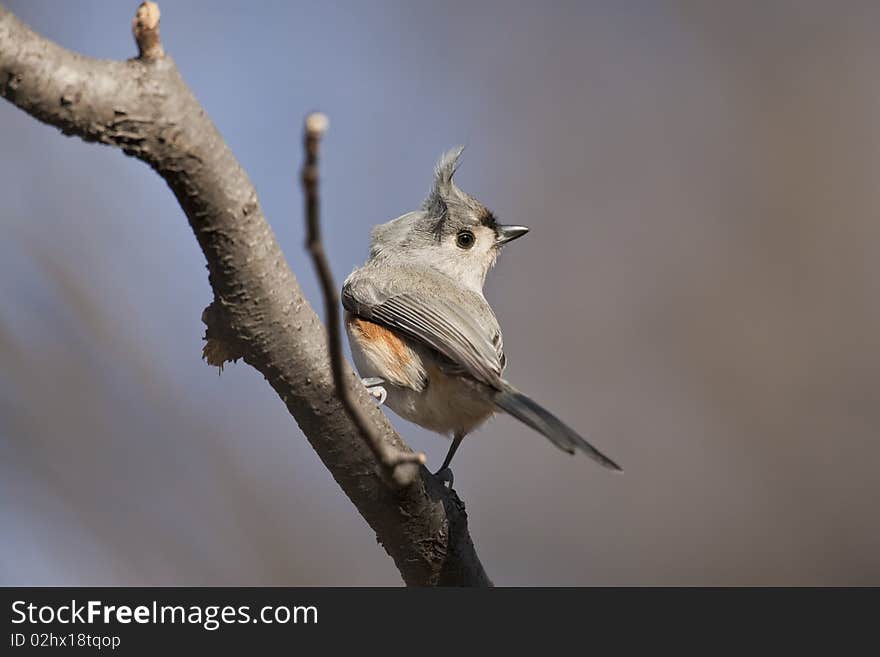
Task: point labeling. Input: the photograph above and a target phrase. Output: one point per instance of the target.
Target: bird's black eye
(465, 239)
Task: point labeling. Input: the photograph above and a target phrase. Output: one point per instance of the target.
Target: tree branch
(144, 107)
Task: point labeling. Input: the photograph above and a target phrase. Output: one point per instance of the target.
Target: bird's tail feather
(528, 411)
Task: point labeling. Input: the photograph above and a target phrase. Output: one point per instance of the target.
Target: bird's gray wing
(439, 321)
(498, 341)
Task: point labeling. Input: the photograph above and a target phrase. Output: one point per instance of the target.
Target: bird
(422, 335)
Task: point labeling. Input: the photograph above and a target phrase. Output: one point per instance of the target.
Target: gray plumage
(424, 282)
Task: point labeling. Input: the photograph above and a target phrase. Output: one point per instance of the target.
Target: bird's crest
(444, 189)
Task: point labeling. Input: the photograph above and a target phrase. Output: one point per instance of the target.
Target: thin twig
(397, 466)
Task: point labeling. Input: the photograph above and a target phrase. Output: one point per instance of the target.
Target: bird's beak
(509, 233)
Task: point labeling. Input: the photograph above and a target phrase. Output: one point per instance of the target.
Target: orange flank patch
(385, 345)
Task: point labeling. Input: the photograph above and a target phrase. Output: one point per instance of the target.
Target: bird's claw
(445, 476)
(374, 386)
(379, 394)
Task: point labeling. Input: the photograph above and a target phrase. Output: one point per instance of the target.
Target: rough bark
(144, 107)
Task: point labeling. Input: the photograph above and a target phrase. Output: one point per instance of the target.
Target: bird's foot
(373, 385)
(445, 476)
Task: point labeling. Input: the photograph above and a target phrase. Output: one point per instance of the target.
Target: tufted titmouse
(422, 333)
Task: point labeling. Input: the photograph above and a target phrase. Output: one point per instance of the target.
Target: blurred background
(700, 293)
